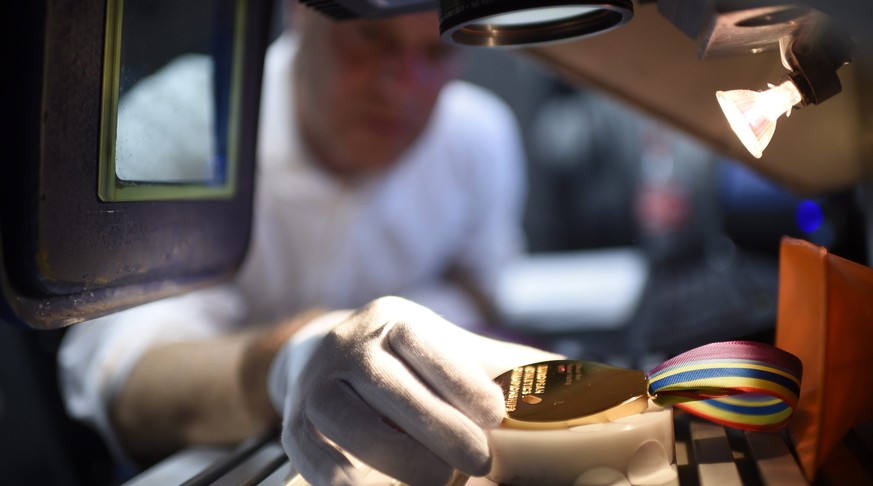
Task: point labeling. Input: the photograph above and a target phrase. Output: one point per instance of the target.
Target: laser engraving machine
(96, 216)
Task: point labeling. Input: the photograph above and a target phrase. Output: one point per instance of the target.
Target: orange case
(825, 317)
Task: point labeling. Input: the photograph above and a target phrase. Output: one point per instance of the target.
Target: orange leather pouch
(825, 317)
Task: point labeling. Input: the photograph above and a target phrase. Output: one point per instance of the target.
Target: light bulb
(752, 114)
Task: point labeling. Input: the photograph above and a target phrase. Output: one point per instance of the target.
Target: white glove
(394, 385)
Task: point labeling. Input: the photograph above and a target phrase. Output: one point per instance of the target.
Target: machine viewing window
(170, 93)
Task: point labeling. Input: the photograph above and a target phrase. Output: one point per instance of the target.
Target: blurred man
(378, 175)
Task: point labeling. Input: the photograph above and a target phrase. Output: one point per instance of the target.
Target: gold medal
(565, 393)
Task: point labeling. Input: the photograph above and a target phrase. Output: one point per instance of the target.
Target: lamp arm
(815, 53)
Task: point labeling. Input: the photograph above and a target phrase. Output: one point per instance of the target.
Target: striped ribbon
(740, 384)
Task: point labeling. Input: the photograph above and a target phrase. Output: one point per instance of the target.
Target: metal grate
(706, 455)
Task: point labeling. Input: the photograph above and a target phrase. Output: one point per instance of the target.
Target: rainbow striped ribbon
(740, 384)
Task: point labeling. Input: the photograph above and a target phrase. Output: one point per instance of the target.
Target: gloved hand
(394, 385)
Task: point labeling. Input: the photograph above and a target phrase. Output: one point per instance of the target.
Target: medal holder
(579, 422)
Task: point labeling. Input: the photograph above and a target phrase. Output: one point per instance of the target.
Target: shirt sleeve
(96, 357)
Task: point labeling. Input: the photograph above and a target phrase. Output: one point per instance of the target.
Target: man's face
(366, 88)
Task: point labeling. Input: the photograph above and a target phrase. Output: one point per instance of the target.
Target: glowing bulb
(752, 114)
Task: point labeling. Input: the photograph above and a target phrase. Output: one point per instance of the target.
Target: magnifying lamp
(496, 23)
(812, 56)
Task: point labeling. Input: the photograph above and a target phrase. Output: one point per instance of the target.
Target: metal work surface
(706, 454)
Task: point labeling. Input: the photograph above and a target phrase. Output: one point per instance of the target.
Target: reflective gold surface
(565, 393)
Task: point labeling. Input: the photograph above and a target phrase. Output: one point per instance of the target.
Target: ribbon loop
(740, 384)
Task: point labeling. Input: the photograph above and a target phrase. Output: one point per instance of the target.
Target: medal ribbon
(740, 384)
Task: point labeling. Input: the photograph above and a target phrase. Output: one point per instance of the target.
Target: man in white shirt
(378, 175)
(396, 180)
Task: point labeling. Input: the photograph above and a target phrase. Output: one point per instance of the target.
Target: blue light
(809, 216)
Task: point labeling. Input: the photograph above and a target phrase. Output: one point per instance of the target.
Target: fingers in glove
(451, 371)
(343, 417)
(316, 460)
(398, 394)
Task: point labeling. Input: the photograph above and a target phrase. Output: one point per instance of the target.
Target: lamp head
(752, 115)
(812, 55)
(526, 22)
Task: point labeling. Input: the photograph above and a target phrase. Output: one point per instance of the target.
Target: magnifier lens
(536, 16)
(528, 22)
